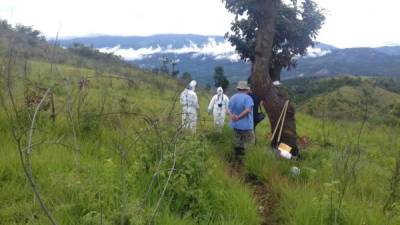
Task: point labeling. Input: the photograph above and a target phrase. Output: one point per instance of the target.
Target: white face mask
(192, 85)
(220, 91)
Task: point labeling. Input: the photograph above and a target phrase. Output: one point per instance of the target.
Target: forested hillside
(354, 61)
(346, 97)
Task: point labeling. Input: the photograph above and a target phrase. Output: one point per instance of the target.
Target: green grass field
(106, 147)
(107, 157)
(115, 155)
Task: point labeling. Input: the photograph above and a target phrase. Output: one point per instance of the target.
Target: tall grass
(115, 155)
(331, 189)
(109, 154)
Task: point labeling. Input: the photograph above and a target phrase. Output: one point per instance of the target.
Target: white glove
(285, 154)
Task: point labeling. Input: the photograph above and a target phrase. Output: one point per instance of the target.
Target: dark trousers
(242, 139)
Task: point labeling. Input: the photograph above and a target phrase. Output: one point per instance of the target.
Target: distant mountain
(355, 61)
(390, 50)
(325, 47)
(199, 55)
(196, 54)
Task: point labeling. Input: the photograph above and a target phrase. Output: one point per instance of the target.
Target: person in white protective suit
(218, 107)
(190, 106)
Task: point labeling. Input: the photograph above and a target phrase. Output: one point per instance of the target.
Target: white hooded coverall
(218, 106)
(190, 105)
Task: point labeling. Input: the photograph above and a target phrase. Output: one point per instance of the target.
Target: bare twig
(72, 122)
(29, 148)
(172, 170)
(26, 164)
(123, 183)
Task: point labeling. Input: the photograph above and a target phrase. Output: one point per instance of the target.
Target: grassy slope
(341, 103)
(85, 187)
(315, 196)
(304, 89)
(347, 173)
(325, 174)
(348, 98)
(101, 175)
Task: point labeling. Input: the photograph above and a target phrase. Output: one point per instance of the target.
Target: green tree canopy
(174, 70)
(186, 76)
(164, 60)
(219, 78)
(296, 28)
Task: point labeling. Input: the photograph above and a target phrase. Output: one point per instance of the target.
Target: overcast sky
(350, 23)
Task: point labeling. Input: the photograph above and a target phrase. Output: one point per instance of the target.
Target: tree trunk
(273, 97)
(275, 73)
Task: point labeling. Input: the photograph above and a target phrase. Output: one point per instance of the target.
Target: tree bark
(272, 96)
(275, 73)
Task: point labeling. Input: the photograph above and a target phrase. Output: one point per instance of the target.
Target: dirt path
(267, 201)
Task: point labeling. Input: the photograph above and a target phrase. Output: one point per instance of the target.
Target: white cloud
(130, 53)
(185, 49)
(233, 57)
(218, 50)
(316, 52)
(214, 48)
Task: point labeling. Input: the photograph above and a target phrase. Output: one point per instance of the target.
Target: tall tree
(295, 30)
(174, 71)
(219, 78)
(261, 33)
(186, 76)
(164, 60)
